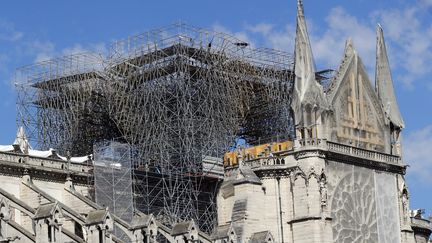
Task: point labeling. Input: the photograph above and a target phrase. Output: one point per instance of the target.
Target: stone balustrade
(264, 161)
(363, 153)
(45, 162)
(312, 142)
(324, 145)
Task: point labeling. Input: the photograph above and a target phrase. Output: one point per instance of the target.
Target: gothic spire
(307, 91)
(384, 82)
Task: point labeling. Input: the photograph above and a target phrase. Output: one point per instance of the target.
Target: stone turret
(48, 223)
(98, 224)
(185, 232)
(144, 228)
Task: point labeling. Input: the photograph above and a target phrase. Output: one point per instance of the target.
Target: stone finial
(21, 140)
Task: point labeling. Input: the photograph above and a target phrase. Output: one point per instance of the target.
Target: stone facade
(343, 178)
(45, 198)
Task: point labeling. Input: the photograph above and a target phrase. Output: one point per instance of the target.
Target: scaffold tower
(179, 96)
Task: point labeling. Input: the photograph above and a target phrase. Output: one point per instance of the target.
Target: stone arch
(299, 174)
(308, 109)
(404, 203)
(313, 193)
(312, 174)
(300, 193)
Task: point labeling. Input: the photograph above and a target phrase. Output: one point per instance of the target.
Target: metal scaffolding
(179, 96)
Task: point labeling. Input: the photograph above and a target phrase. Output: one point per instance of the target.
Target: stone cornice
(54, 163)
(368, 163)
(42, 173)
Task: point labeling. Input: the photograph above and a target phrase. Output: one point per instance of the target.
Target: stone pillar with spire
(309, 222)
(308, 102)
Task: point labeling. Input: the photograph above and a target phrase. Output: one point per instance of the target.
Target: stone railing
(44, 162)
(363, 153)
(316, 142)
(324, 145)
(264, 161)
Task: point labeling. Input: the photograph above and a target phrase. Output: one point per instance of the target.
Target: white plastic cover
(384, 82)
(363, 204)
(81, 159)
(6, 148)
(40, 153)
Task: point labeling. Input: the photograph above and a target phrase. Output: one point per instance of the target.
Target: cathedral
(340, 178)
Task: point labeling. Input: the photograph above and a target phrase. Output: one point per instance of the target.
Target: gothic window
(364, 208)
(353, 209)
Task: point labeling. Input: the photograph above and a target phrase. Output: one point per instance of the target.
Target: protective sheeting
(41, 153)
(22, 141)
(113, 180)
(6, 148)
(358, 119)
(387, 208)
(384, 82)
(81, 159)
(363, 204)
(307, 91)
(51, 152)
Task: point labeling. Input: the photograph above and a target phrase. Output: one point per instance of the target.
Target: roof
(221, 232)
(260, 237)
(239, 210)
(96, 217)
(182, 228)
(227, 189)
(45, 211)
(246, 175)
(139, 221)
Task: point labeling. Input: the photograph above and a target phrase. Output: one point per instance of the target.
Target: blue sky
(37, 30)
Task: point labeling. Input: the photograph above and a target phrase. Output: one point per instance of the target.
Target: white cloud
(241, 35)
(42, 51)
(407, 32)
(340, 26)
(409, 35)
(418, 155)
(99, 48)
(3, 62)
(8, 32)
(327, 46)
(262, 28)
(277, 39)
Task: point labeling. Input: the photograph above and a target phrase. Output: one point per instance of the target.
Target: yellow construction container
(262, 150)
